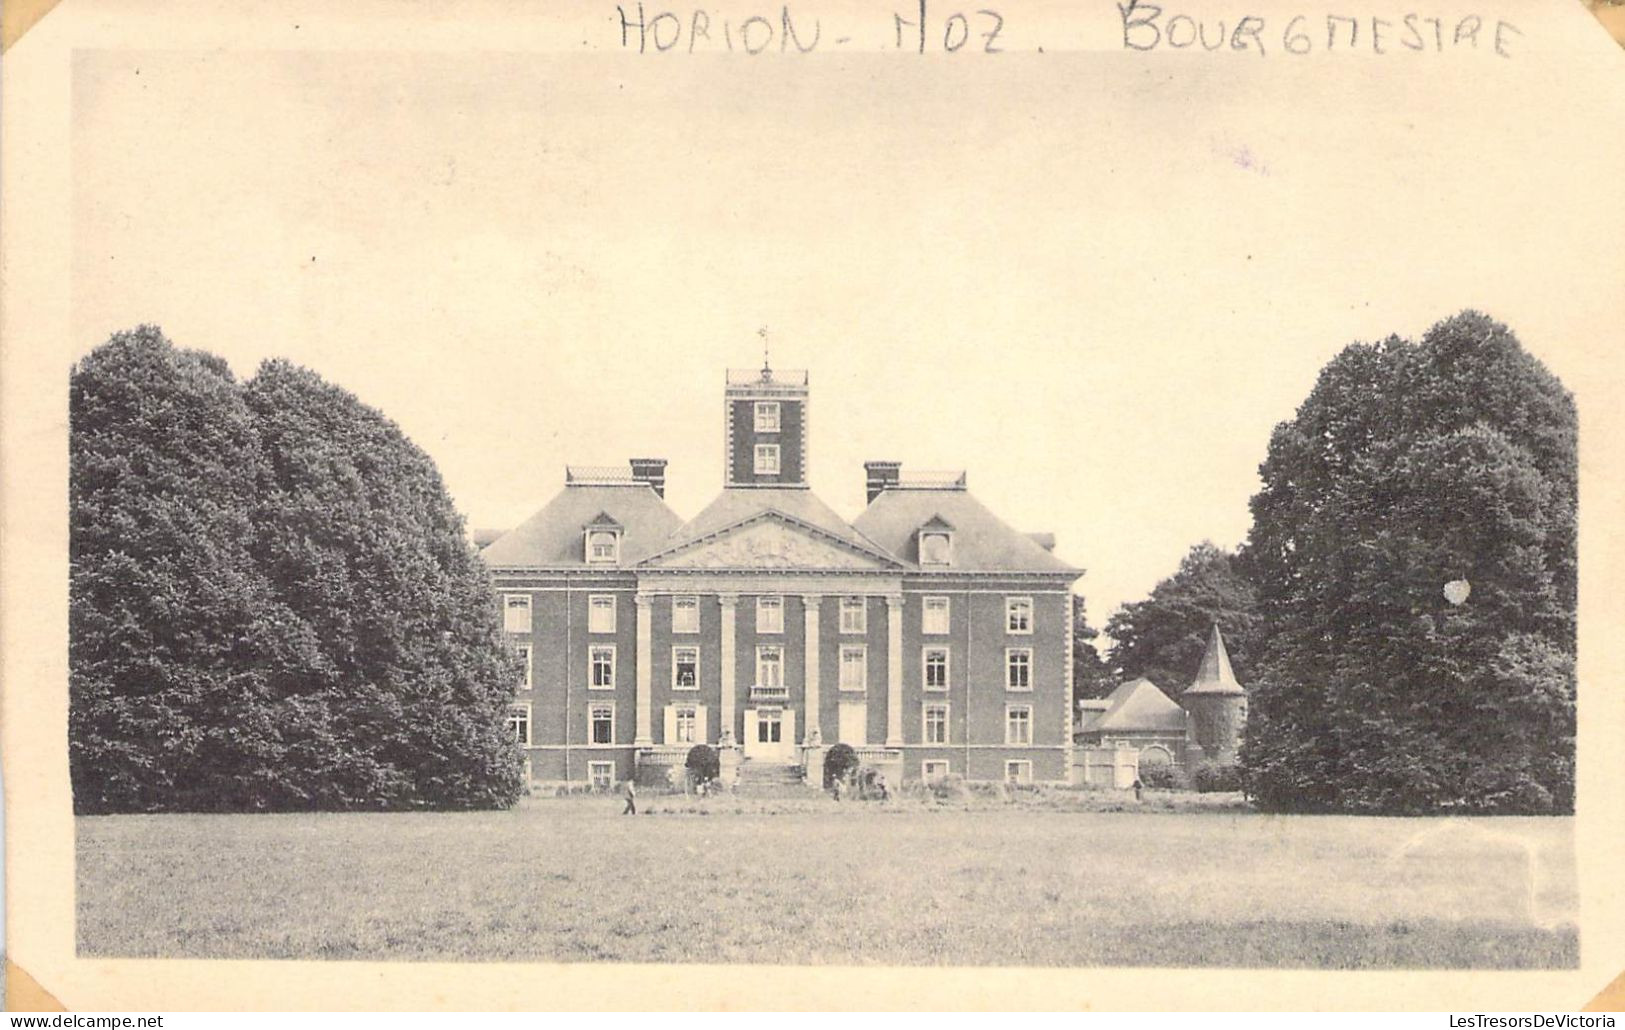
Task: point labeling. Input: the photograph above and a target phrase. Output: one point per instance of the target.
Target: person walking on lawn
(631, 799)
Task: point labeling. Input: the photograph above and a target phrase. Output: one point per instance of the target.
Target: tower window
(767, 459)
(767, 416)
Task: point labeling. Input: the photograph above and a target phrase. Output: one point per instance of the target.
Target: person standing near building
(631, 799)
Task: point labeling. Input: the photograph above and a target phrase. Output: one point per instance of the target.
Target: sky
(1093, 285)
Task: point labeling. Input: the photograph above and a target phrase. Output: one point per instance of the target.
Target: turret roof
(1214, 675)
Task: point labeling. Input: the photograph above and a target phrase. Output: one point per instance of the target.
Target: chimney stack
(651, 471)
(879, 475)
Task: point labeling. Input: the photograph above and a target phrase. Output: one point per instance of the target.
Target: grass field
(570, 880)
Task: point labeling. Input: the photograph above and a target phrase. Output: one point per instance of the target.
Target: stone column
(812, 734)
(645, 738)
(894, 671)
(725, 665)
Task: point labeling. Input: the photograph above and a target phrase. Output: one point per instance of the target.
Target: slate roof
(982, 541)
(734, 506)
(552, 537)
(1138, 706)
(1214, 675)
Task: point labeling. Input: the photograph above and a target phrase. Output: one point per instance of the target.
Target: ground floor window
(933, 772)
(1018, 771)
(684, 718)
(601, 774)
(602, 718)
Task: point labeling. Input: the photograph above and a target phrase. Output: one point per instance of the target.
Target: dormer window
(767, 416)
(603, 546)
(601, 540)
(936, 540)
(767, 459)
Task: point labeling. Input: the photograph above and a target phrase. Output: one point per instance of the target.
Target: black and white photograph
(820, 505)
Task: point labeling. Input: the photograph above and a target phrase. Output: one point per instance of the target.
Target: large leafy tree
(271, 602)
(179, 655)
(1411, 466)
(360, 539)
(1162, 637)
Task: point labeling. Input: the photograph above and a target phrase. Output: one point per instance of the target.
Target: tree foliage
(1163, 637)
(271, 602)
(1091, 676)
(1411, 465)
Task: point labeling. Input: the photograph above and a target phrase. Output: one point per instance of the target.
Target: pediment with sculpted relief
(768, 543)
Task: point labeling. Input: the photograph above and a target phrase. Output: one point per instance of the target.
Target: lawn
(570, 880)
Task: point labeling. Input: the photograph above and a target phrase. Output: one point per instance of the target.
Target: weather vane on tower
(767, 371)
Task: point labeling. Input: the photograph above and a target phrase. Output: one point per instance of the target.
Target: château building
(926, 633)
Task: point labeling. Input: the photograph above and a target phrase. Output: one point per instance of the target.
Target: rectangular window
(602, 719)
(1018, 614)
(1018, 724)
(1018, 668)
(936, 724)
(854, 667)
(519, 722)
(524, 659)
(686, 724)
(1018, 771)
(934, 615)
(767, 416)
(601, 613)
(936, 668)
(685, 668)
(854, 615)
(516, 613)
(770, 614)
(767, 459)
(601, 775)
(601, 667)
(934, 771)
(685, 614)
(770, 666)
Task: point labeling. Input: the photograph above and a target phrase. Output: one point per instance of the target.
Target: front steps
(759, 779)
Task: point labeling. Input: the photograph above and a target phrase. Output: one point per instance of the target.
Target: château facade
(926, 633)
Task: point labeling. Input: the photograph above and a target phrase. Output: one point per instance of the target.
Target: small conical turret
(1216, 704)
(1214, 675)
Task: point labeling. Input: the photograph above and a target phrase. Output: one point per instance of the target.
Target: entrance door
(770, 733)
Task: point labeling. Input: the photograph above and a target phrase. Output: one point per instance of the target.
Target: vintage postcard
(798, 505)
